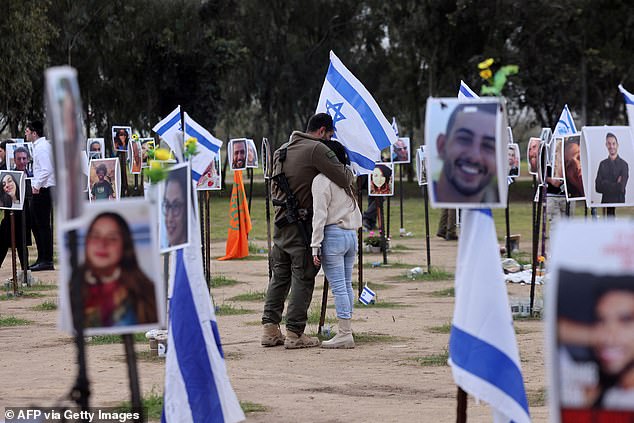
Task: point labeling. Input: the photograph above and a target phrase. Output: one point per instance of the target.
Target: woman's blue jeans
(338, 252)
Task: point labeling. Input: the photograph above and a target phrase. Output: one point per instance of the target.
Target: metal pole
(388, 217)
(360, 241)
(536, 220)
(208, 237)
(383, 238)
(544, 204)
(426, 201)
(461, 411)
(14, 265)
(133, 376)
(250, 173)
(324, 304)
(201, 222)
(400, 188)
(508, 226)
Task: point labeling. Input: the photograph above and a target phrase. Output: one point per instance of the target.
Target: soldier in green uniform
(296, 164)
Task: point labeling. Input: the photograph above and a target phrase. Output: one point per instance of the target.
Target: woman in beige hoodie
(336, 218)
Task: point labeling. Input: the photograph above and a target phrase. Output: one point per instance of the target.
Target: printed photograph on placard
(13, 194)
(610, 151)
(421, 168)
(558, 158)
(20, 157)
(104, 179)
(237, 153)
(532, 155)
(134, 156)
(210, 179)
(252, 154)
(381, 180)
(120, 138)
(466, 148)
(400, 151)
(174, 206)
(122, 290)
(590, 322)
(95, 148)
(146, 145)
(514, 160)
(573, 179)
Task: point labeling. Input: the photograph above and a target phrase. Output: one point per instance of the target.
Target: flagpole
(461, 411)
(400, 188)
(426, 201)
(324, 304)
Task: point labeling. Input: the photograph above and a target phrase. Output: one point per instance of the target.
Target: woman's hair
(176, 176)
(17, 187)
(342, 155)
(138, 285)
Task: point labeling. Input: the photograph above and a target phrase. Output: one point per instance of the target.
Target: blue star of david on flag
(334, 110)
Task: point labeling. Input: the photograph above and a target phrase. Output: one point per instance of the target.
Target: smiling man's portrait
(468, 151)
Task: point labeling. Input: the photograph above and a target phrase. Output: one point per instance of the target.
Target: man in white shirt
(42, 185)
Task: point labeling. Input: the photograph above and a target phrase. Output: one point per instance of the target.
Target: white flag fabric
(170, 129)
(565, 124)
(629, 104)
(359, 123)
(483, 351)
(395, 125)
(197, 388)
(465, 92)
(208, 146)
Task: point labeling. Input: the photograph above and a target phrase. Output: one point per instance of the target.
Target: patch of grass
(313, 316)
(39, 287)
(435, 274)
(45, 306)
(389, 265)
(401, 247)
(433, 360)
(21, 294)
(443, 293)
(254, 257)
(446, 328)
(385, 304)
(372, 285)
(373, 338)
(230, 310)
(114, 339)
(7, 321)
(255, 249)
(250, 296)
(252, 407)
(152, 403)
(222, 280)
(537, 397)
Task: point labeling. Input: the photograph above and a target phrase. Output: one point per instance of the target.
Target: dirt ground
(381, 380)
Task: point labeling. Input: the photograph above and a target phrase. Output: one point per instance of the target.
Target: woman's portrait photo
(104, 179)
(381, 182)
(210, 178)
(175, 204)
(120, 137)
(13, 187)
(252, 154)
(134, 156)
(120, 288)
(95, 148)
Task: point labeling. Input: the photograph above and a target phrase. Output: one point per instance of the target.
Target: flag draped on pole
(483, 351)
(629, 104)
(197, 388)
(465, 92)
(359, 123)
(565, 124)
(208, 146)
(239, 221)
(170, 129)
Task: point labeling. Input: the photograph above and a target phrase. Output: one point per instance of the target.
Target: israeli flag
(483, 351)
(395, 125)
(359, 123)
(208, 146)
(170, 129)
(465, 92)
(629, 104)
(197, 388)
(565, 124)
